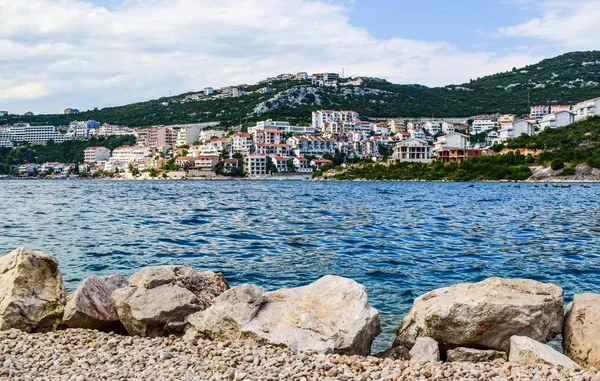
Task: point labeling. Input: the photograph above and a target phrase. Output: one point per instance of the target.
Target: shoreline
(299, 178)
(79, 354)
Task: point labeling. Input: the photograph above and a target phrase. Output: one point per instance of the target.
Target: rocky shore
(174, 323)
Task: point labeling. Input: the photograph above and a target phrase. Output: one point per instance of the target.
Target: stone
(159, 300)
(471, 355)
(485, 314)
(526, 351)
(32, 293)
(331, 315)
(581, 331)
(395, 353)
(425, 349)
(91, 305)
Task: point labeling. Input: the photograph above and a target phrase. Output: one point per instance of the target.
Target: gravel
(90, 355)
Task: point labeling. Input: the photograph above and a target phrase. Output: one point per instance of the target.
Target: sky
(82, 54)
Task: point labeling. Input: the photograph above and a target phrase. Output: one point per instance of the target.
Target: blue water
(398, 239)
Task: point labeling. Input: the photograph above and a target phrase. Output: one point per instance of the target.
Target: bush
(557, 164)
(569, 171)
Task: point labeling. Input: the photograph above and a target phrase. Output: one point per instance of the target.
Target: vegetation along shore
(172, 322)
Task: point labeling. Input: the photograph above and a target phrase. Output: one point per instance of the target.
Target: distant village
(269, 147)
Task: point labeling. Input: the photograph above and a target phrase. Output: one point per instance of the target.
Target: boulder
(91, 305)
(425, 349)
(581, 332)
(32, 293)
(395, 353)
(471, 355)
(526, 351)
(331, 315)
(484, 314)
(159, 300)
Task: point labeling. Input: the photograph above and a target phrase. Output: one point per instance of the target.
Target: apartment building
(539, 111)
(188, 135)
(280, 163)
(302, 165)
(93, 155)
(242, 143)
(411, 150)
(31, 134)
(311, 145)
(586, 109)
(255, 165)
(482, 125)
(343, 118)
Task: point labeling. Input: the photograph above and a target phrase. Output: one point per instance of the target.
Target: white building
(208, 90)
(538, 112)
(588, 108)
(311, 146)
(455, 140)
(255, 165)
(321, 117)
(95, 154)
(188, 135)
(433, 128)
(210, 134)
(283, 127)
(558, 119)
(302, 165)
(129, 154)
(83, 130)
(412, 150)
(111, 130)
(513, 130)
(31, 134)
(448, 128)
(482, 125)
(417, 134)
(280, 162)
(241, 143)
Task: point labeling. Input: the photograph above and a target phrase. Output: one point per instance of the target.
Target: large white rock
(425, 349)
(91, 305)
(581, 332)
(526, 351)
(32, 293)
(484, 314)
(159, 300)
(331, 315)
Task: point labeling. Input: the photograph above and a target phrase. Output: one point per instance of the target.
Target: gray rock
(425, 349)
(526, 351)
(91, 305)
(471, 355)
(331, 315)
(159, 300)
(581, 332)
(395, 353)
(32, 293)
(484, 314)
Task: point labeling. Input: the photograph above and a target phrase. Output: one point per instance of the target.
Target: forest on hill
(566, 79)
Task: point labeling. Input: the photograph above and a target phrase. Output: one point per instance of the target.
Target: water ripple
(399, 239)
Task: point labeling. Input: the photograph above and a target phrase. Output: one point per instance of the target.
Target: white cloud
(571, 25)
(80, 55)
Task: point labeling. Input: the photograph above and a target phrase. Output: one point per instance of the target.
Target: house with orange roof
(302, 165)
(280, 162)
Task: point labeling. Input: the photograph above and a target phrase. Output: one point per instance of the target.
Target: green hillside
(568, 78)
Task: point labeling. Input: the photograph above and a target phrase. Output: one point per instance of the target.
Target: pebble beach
(77, 354)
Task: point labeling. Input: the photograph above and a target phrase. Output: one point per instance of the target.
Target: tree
(153, 172)
(224, 154)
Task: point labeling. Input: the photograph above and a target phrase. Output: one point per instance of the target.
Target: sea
(400, 240)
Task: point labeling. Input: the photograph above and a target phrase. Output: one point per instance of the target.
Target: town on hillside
(335, 138)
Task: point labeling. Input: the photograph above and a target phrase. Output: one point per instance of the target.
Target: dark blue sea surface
(398, 239)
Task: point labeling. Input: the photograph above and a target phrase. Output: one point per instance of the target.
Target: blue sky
(57, 54)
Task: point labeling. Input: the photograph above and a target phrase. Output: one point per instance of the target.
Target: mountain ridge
(568, 78)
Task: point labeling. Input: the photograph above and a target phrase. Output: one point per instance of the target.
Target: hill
(568, 78)
(560, 149)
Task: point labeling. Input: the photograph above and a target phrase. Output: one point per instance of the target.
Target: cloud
(571, 25)
(84, 55)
